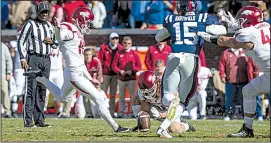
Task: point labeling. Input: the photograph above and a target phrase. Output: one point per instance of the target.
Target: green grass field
(97, 130)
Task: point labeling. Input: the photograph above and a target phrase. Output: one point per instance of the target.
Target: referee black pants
(35, 97)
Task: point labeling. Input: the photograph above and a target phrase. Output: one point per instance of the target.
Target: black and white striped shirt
(32, 36)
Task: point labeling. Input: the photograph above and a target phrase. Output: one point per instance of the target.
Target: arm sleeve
(115, 67)
(66, 34)
(55, 44)
(138, 65)
(222, 64)
(244, 35)
(103, 12)
(148, 60)
(9, 65)
(26, 30)
(156, 6)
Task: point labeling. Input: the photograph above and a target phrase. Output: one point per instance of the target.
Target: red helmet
(147, 84)
(249, 16)
(83, 18)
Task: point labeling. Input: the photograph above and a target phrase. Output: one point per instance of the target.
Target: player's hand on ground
(122, 72)
(95, 82)
(48, 40)
(24, 64)
(56, 23)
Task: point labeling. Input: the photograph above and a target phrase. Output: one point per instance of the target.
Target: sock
(105, 114)
(248, 122)
(178, 112)
(136, 109)
(186, 126)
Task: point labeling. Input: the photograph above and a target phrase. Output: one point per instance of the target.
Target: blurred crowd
(117, 14)
(116, 64)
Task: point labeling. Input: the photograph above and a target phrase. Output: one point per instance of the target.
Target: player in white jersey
(56, 74)
(18, 77)
(76, 76)
(200, 95)
(254, 37)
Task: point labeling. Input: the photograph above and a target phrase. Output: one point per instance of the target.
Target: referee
(36, 39)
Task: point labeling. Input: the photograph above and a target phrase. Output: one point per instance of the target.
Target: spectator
(137, 17)
(106, 55)
(4, 14)
(56, 11)
(19, 13)
(266, 16)
(121, 13)
(169, 6)
(6, 75)
(99, 11)
(126, 63)
(94, 68)
(159, 68)
(159, 51)
(32, 14)
(253, 72)
(233, 72)
(154, 15)
(69, 8)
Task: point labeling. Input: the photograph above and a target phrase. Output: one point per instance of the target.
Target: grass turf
(97, 130)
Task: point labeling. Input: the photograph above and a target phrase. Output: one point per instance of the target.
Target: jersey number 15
(186, 34)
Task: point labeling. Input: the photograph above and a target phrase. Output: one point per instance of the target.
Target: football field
(89, 130)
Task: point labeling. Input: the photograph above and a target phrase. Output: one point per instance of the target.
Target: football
(144, 123)
(176, 127)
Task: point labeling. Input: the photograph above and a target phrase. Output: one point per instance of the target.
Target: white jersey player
(76, 76)
(254, 38)
(18, 77)
(200, 95)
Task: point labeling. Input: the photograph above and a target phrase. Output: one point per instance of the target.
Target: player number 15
(186, 34)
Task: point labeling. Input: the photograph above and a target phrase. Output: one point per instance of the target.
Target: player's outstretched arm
(227, 41)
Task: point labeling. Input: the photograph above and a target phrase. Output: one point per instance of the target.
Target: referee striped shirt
(32, 36)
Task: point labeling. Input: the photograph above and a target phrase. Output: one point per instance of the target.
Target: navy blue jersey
(183, 31)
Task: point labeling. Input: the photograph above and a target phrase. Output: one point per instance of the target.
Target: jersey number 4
(186, 34)
(265, 38)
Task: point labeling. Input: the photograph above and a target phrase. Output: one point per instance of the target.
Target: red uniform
(106, 56)
(154, 54)
(126, 61)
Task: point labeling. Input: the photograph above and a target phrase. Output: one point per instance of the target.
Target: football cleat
(122, 130)
(244, 132)
(191, 128)
(163, 133)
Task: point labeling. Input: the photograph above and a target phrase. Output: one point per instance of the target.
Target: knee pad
(167, 98)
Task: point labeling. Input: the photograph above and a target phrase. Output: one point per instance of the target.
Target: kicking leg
(87, 89)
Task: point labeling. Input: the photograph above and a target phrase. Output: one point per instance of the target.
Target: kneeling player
(147, 103)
